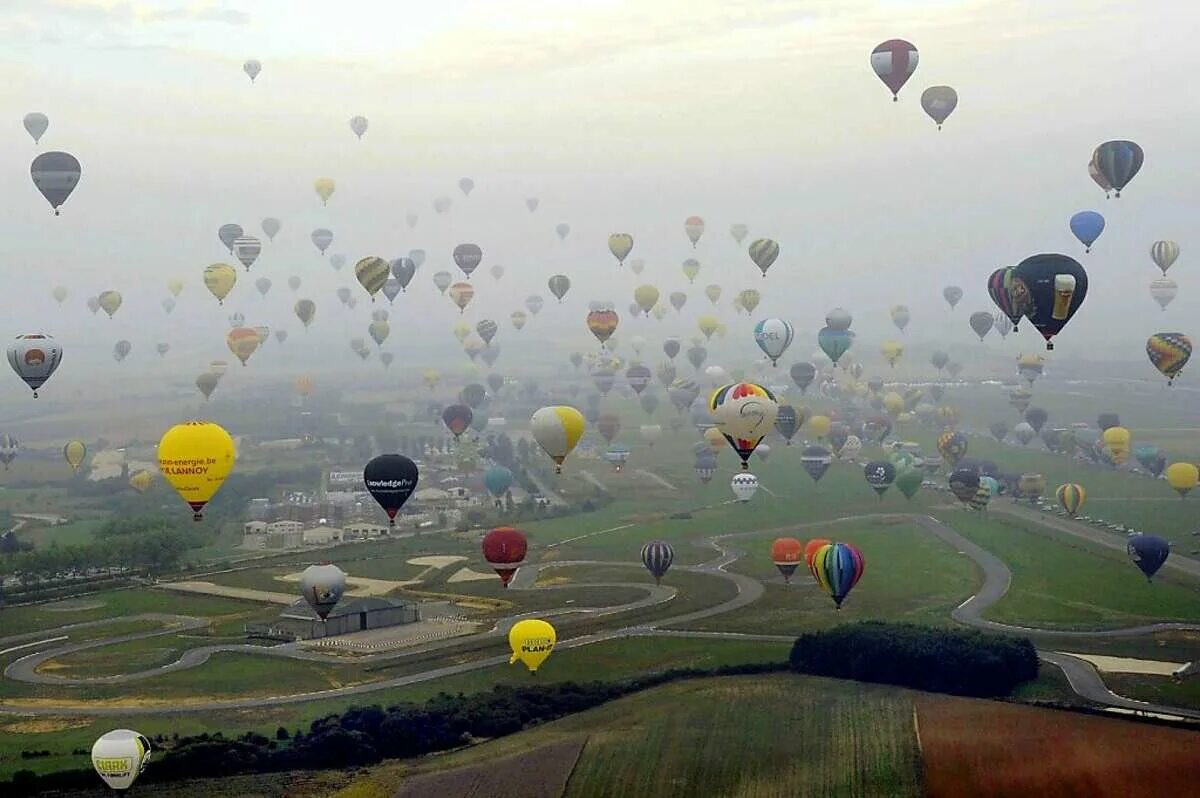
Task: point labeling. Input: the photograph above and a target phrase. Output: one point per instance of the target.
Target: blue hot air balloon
(1148, 553)
(1087, 227)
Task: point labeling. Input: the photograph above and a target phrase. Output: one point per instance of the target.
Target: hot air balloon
(1148, 553)
(557, 429)
(837, 567)
(803, 374)
(207, 383)
(952, 294)
(939, 102)
(773, 337)
(1183, 477)
(34, 357)
(457, 419)
(391, 479)
(119, 757)
(55, 174)
(306, 311)
(744, 413)
(372, 272)
(1071, 497)
(1163, 290)
(461, 295)
(894, 62)
(36, 124)
(1118, 162)
(531, 641)
(243, 342)
(121, 350)
(1056, 286)
(816, 461)
(10, 447)
(834, 343)
(504, 548)
(1087, 227)
(982, 322)
(880, 474)
(1164, 254)
(247, 249)
(694, 227)
(952, 445)
(620, 245)
(74, 453)
(141, 481)
(1150, 458)
(691, 268)
(324, 187)
(322, 238)
(787, 421)
(468, 257)
(891, 351)
(1116, 441)
(1036, 417)
(787, 554)
(1169, 352)
(602, 323)
(657, 556)
(403, 270)
(908, 482)
(964, 483)
(559, 285)
(764, 252)
(744, 485)
(196, 457)
(323, 586)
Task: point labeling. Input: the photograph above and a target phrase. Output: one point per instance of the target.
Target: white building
(363, 530)
(284, 527)
(321, 535)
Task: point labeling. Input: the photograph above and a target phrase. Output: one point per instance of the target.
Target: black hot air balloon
(1148, 553)
(1056, 286)
(657, 556)
(391, 479)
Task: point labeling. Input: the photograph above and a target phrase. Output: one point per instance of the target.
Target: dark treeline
(956, 661)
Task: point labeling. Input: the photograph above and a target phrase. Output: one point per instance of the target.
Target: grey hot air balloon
(247, 249)
(982, 322)
(531, 203)
(358, 124)
(468, 257)
(36, 125)
(322, 587)
(55, 174)
(121, 350)
(271, 227)
(162, 348)
(563, 230)
(168, 304)
(466, 185)
(404, 269)
(337, 261)
(228, 233)
(939, 102)
(322, 238)
(411, 220)
(252, 67)
(263, 285)
(418, 257)
(442, 204)
(952, 293)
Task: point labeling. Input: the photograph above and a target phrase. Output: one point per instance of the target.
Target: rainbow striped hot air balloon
(1071, 497)
(837, 567)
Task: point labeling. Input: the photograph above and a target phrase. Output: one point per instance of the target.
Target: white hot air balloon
(744, 485)
(120, 756)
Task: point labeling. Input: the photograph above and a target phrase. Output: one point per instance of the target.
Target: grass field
(1068, 583)
(987, 749)
(910, 576)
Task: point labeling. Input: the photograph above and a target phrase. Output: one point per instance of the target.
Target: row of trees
(956, 661)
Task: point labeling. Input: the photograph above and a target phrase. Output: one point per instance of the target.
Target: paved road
(1081, 675)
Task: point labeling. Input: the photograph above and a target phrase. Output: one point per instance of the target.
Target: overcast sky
(620, 115)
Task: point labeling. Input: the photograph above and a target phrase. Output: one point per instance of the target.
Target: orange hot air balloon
(242, 341)
(304, 385)
(786, 553)
(602, 323)
(810, 549)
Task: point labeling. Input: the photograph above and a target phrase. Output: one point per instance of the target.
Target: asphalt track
(1083, 678)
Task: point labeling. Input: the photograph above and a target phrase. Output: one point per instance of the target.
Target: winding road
(1084, 679)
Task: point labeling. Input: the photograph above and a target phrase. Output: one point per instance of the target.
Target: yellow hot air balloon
(1182, 477)
(531, 641)
(109, 301)
(74, 453)
(372, 272)
(219, 279)
(324, 186)
(749, 299)
(1117, 440)
(461, 331)
(557, 429)
(708, 325)
(713, 292)
(431, 378)
(892, 350)
(60, 294)
(893, 403)
(175, 286)
(819, 426)
(620, 245)
(304, 385)
(243, 342)
(691, 268)
(646, 297)
(196, 457)
(141, 481)
(716, 441)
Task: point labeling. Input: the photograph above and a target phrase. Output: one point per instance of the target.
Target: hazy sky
(618, 115)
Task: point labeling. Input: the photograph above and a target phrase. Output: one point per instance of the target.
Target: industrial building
(299, 622)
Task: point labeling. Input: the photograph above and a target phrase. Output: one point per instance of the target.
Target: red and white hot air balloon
(894, 61)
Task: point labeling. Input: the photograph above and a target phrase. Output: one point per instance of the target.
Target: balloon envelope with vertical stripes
(657, 556)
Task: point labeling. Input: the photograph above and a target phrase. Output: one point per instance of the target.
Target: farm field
(989, 749)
